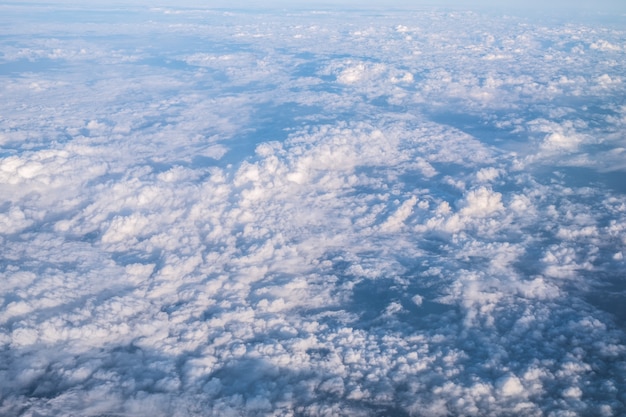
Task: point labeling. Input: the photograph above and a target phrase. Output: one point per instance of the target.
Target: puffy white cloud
(487, 174)
(395, 221)
(510, 385)
(482, 202)
(277, 214)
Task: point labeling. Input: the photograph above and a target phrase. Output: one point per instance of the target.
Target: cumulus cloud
(279, 214)
(482, 202)
(395, 221)
(487, 174)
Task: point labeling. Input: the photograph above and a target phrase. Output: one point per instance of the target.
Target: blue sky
(600, 5)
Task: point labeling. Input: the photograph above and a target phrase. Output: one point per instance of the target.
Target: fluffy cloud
(283, 214)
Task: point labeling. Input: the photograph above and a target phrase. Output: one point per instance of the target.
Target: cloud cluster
(288, 214)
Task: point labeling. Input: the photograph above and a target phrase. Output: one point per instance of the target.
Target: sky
(226, 212)
(600, 5)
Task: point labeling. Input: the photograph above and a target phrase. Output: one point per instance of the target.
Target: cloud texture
(220, 213)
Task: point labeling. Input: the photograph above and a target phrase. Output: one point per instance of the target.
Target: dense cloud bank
(212, 213)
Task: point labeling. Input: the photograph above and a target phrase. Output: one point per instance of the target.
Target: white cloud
(396, 220)
(510, 385)
(487, 174)
(605, 46)
(559, 141)
(482, 202)
(280, 214)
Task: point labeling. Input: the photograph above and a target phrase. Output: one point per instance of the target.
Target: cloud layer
(207, 212)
